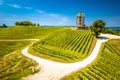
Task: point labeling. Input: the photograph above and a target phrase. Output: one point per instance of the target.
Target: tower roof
(80, 14)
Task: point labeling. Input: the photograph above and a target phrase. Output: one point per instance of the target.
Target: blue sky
(60, 12)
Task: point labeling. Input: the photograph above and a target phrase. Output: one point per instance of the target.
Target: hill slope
(22, 32)
(106, 66)
(65, 46)
(13, 65)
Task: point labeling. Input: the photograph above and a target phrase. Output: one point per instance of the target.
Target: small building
(80, 21)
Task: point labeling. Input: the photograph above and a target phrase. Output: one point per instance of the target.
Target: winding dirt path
(51, 70)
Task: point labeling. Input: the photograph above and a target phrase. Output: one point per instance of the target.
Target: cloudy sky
(59, 12)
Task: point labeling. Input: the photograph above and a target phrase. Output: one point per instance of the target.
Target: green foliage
(106, 67)
(25, 23)
(19, 32)
(13, 65)
(38, 24)
(97, 27)
(3, 26)
(67, 45)
(111, 31)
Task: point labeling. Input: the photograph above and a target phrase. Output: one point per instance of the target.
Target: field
(65, 46)
(106, 66)
(59, 44)
(13, 65)
(22, 32)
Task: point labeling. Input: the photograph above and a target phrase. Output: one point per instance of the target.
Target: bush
(25, 23)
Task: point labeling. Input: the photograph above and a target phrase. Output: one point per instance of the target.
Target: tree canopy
(25, 23)
(4, 26)
(97, 27)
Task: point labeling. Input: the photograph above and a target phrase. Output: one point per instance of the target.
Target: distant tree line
(25, 23)
(111, 31)
(4, 26)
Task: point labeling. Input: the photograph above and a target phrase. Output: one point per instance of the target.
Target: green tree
(17, 23)
(24, 23)
(33, 24)
(4, 25)
(38, 24)
(97, 27)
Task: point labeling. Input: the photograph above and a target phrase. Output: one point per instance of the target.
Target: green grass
(6, 46)
(21, 32)
(13, 65)
(106, 66)
(65, 46)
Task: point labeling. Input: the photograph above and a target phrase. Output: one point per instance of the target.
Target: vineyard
(106, 67)
(67, 45)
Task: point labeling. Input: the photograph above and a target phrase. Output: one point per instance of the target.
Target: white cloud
(52, 18)
(54, 15)
(61, 19)
(28, 8)
(15, 5)
(41, 17)
(1, 2)
(60, 22)
(64, 19)
(39, 11)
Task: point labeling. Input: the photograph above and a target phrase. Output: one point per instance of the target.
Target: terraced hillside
(106, 67)
(66, 46)
(13, 65)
